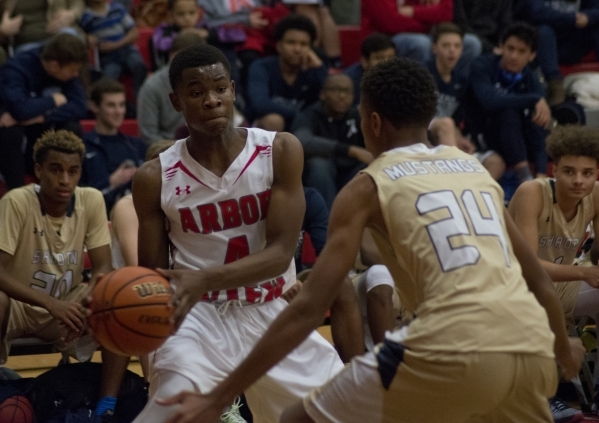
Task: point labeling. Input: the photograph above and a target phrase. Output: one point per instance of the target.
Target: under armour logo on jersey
(186, 190)
(265, 150)
(41, 232)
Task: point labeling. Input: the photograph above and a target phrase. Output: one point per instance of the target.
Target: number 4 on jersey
(237, 248)
(441, 231)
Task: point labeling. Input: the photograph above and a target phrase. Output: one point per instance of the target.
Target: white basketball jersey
(213, 221)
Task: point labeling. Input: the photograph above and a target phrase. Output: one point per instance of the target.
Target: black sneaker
(108, 417)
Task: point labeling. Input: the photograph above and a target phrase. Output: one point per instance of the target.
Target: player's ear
(233, 89)
(174, 101)
(376, 123)
(37, 169)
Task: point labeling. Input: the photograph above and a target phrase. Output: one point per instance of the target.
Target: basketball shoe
(563, 413)
(232, 414)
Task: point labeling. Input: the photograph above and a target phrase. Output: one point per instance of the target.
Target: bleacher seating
(129, 126)
(143, 44)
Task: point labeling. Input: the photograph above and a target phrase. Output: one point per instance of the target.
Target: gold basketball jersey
(44, 258)
(559, 240)
(450, 256)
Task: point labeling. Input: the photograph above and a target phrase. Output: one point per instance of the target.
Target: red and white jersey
(213, 221)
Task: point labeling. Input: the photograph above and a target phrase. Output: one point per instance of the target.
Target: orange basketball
(129, 311)
(16, 409)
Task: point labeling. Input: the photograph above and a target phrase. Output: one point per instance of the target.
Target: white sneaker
(563, 413)
(232, 414)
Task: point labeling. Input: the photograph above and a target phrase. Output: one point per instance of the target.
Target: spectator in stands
(280, 86)
(111, 30)
(509, 102)
(486, 19)
(327, 34)
(410, 24)
(256, 17)
(451, 90)
(568, 31)
(112, 157)
(375, 48)
(330, 133)
(41, 259)
(9, 27)
(156, 116)
(150, 13)
(42, 19)
(185, 17)
(40, 90)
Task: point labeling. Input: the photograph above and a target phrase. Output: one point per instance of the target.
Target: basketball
(16, 409)
(129, 311)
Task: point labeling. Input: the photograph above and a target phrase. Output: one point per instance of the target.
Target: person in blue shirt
(110, 29)
(568, 31)
(282, 85)
(375, 48)
(40, 90)
(111, 157)
(508, 106)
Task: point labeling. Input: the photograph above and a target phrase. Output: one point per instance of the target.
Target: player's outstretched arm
(349, 216)
(286, 209)
(525, 208)
(69, 313)
(152, 239)
(569, 352)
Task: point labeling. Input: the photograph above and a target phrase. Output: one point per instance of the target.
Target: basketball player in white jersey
(480, 348)
(233, 204)
(553, 215)
(43, 233)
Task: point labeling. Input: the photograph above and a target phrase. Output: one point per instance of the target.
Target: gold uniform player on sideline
(481, 348)
(43, 231)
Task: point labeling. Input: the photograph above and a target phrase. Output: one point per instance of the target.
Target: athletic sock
(106, 403)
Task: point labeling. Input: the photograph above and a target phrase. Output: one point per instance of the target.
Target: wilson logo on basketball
(150, 289)
(154, 320)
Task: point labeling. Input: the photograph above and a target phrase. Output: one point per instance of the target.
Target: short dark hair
(61, 140)
(402, 91)
(524, 32)
(65, 49)
(104, 86)
(573, 140)
(294, 21)
(446, 28)
(185, 40)
(375, 42)
(194, 57)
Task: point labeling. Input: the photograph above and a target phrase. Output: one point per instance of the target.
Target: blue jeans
(419, 48)
(127, 57)
(565, 46)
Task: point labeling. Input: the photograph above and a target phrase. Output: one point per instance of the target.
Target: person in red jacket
(410, 23)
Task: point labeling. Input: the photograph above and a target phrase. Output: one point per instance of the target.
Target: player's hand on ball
(570, 365)
(194, 408)
(69, 313)
(189, 289)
